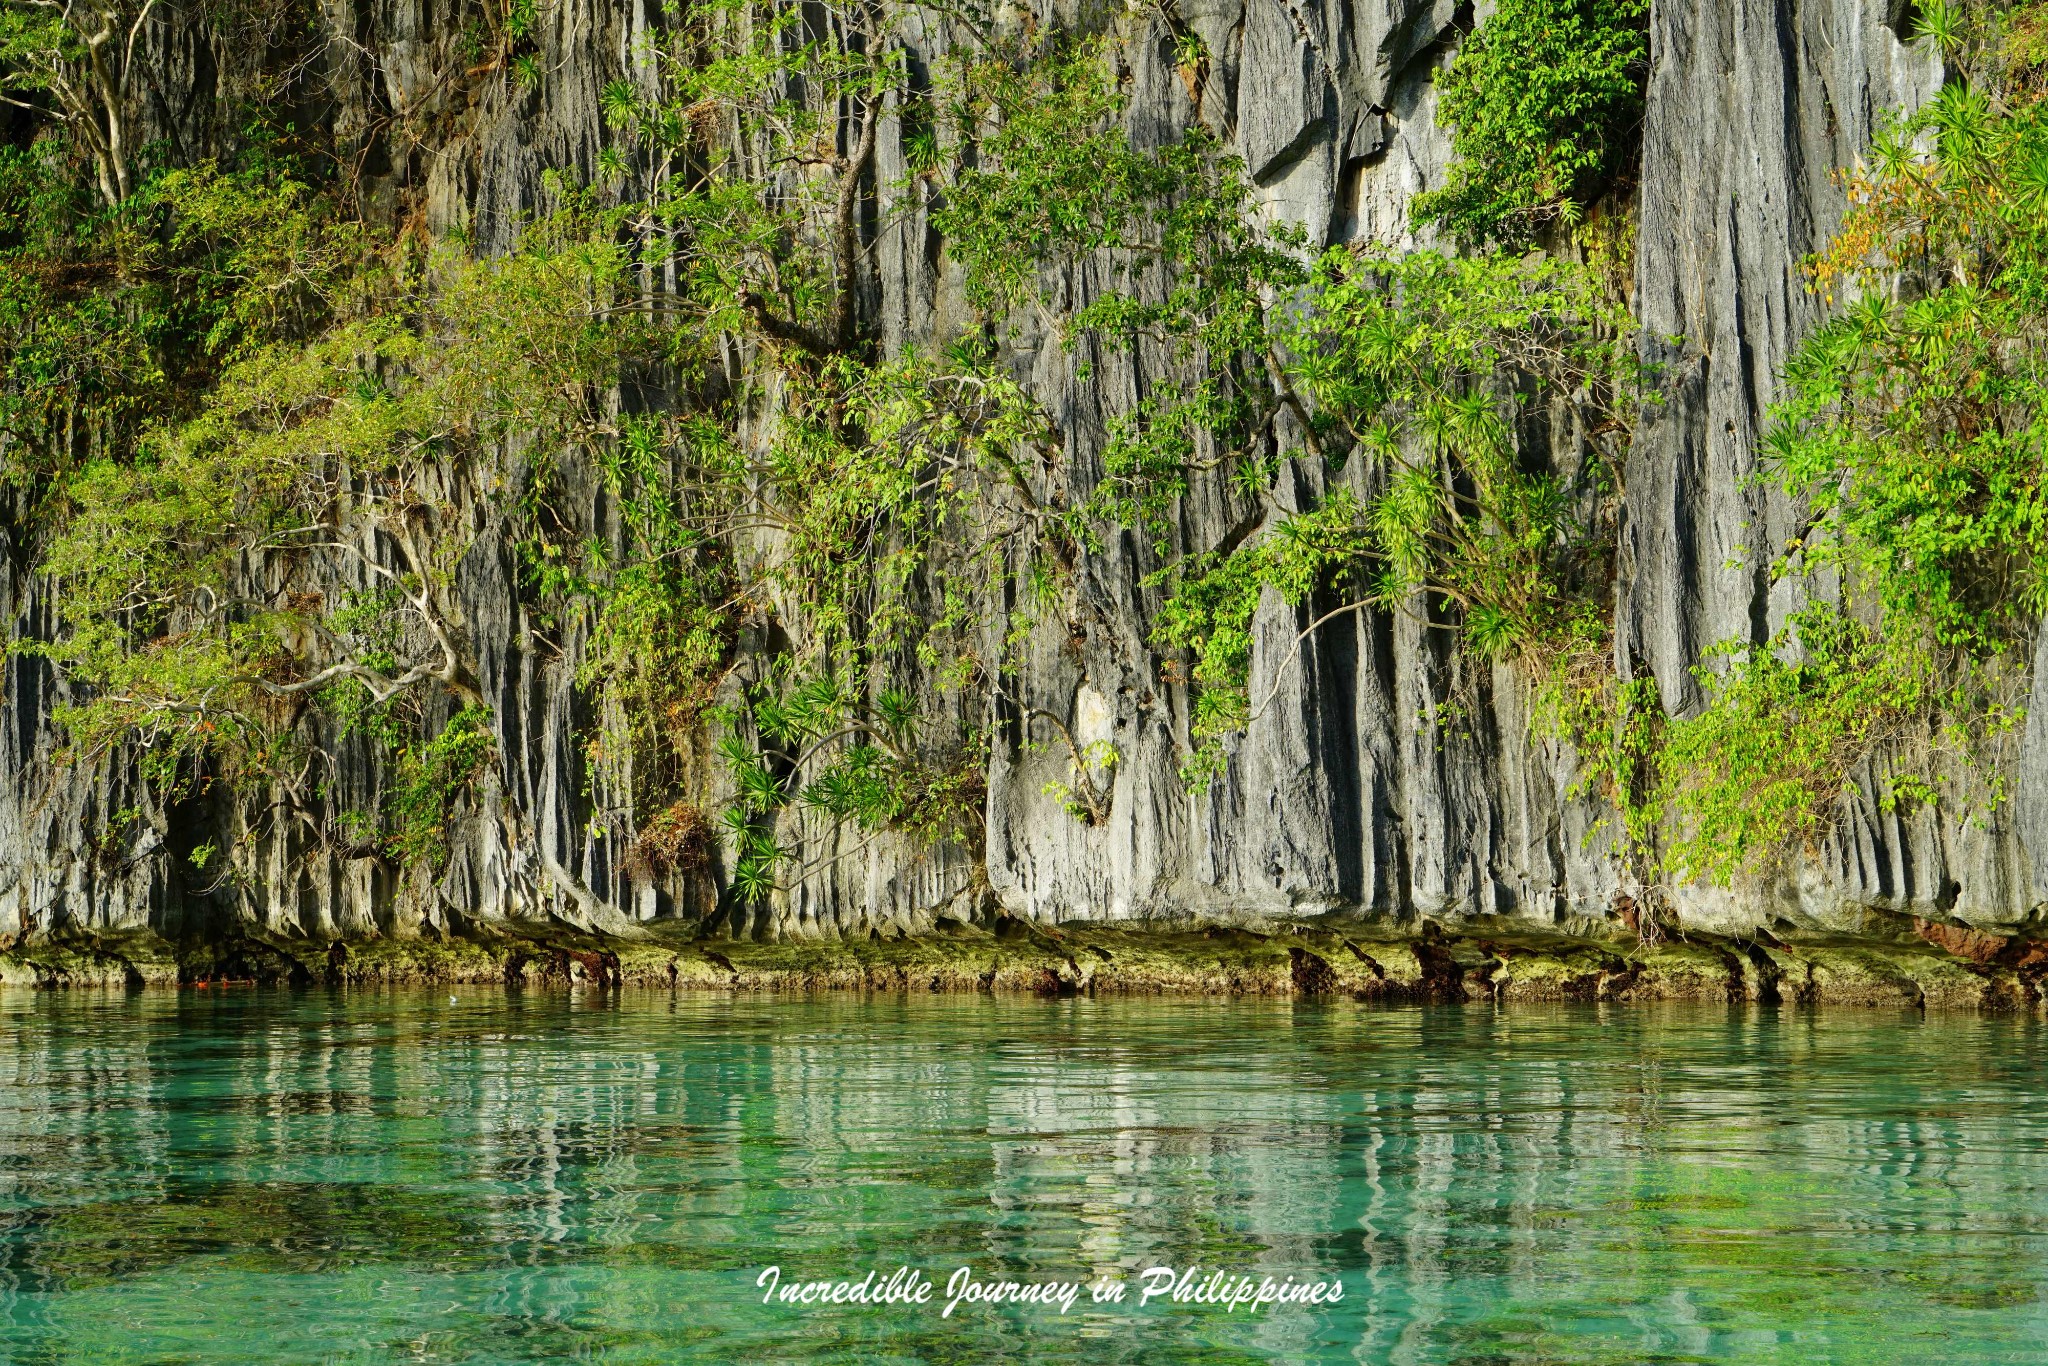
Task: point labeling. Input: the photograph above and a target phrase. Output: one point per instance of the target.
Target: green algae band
(1896, 961)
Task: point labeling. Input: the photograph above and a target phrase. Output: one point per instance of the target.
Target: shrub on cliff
(1543, 100)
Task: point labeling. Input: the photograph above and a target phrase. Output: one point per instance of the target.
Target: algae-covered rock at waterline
(1487, 962)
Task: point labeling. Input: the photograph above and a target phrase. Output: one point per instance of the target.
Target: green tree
(75, 61)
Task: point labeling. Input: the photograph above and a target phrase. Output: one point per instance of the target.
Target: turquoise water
(275, 1176)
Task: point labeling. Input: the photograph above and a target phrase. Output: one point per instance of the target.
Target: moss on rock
(1363, 961)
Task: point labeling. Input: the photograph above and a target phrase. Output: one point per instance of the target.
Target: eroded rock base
(1403, 964)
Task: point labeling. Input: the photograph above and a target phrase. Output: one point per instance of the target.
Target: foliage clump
(1544, 100)
(431, 777)
(1759, 770)
(1915, 424)
(322, 446)
(819, 745)
(112, 320)
(1425, 375)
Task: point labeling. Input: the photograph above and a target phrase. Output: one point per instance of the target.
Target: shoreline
(1504, 962)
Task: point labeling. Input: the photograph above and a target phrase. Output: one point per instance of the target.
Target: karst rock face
(1386, 772)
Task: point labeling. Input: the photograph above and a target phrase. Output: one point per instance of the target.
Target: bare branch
(1294, 651)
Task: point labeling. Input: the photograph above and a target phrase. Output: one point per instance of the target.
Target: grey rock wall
(1752, 106)
(1384, 774)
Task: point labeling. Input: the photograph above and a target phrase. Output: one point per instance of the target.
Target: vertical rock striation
(1385, 772)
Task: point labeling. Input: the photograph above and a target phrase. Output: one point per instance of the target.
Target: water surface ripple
(368, 1177)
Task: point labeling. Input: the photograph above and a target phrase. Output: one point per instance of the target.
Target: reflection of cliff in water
(521, 1176)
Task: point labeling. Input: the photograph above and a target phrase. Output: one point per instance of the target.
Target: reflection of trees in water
(1485, 1182)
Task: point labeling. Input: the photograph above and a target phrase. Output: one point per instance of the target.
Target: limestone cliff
(1390, 774)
